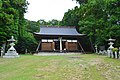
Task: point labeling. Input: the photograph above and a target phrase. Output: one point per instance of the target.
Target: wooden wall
(46, 46)
(72, 46)
(50, 46)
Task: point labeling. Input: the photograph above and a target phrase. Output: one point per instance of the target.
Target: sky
(48, 9)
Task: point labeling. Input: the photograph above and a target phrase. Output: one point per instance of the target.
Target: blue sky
(48, 9)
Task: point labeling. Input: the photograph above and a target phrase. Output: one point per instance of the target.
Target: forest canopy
(99, 19)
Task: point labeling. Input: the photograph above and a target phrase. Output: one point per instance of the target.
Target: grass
(67, 67)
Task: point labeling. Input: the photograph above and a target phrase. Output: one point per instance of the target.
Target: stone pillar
(60, 44)
(96, 49)
(2, 51)
(119, 53)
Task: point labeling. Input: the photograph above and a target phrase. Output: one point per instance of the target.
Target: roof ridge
(57, 27)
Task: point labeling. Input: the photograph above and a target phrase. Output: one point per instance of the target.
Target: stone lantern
(110, 53)
(11, 53)
(96, 49)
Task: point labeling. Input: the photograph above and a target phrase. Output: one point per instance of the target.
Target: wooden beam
(38, 46)
(81, 47)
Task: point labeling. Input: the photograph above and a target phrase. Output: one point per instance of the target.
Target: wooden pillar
(60, 44)
(53, 45)
(66, 45)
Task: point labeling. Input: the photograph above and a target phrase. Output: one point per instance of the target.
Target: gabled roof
(59, 31)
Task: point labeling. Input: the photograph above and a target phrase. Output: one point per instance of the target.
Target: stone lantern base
(8, 56)
(11, 53)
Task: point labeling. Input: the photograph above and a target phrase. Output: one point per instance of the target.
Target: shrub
(115, 49)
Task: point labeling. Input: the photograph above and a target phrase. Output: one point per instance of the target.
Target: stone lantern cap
(111, 39)
(12, 39)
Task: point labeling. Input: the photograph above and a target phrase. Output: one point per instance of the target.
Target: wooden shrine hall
(59, 39)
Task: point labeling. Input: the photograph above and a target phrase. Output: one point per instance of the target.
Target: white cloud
(48, 9)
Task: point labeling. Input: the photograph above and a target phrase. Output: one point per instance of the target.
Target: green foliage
(81, 1)
(26, 42)
(32, 26)
(52, 22)
(115, 49)
(12, 23)
(9, 18)
(96, 18)
(70, 18)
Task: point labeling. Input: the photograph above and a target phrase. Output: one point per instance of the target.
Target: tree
(33, 26)
(12, 23)
(42, 22)
(53, 22)
(81, 1)
(7, 15)
(71, 18)
(97, 19)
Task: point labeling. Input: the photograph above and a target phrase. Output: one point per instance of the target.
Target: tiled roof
(58, 31)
